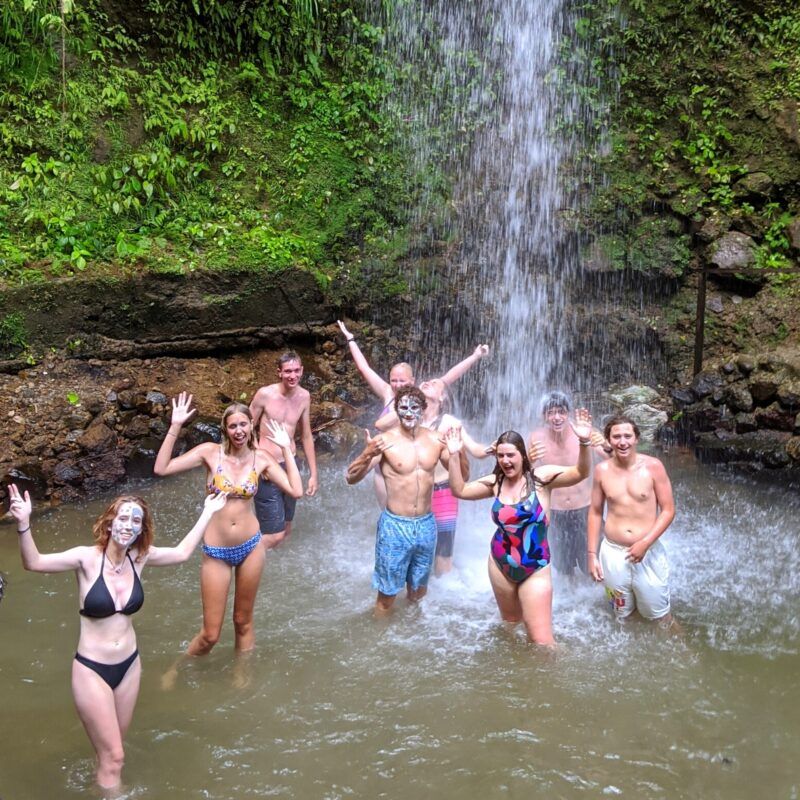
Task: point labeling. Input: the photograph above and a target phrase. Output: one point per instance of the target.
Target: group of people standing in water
(419, 462)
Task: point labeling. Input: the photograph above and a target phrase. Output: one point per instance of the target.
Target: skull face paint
(127, 525)
(409, 411)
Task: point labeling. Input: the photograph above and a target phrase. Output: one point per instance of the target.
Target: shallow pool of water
(441, 700)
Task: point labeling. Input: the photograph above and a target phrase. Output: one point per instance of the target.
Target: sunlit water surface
(441, 700)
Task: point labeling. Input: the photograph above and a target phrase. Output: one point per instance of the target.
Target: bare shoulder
(653, 465)
(263, 393)
(449, 421)
(537, 434)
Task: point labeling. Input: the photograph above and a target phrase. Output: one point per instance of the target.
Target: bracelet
(587, 443)
(25, 531)
(351, 339)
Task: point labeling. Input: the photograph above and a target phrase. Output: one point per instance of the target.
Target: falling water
(489, 92)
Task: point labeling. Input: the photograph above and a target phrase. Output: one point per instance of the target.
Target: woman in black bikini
(106, 669)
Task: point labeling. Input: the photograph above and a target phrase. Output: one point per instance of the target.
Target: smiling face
(623, 439)
(409, 411)
(126, 527)
(509, 459)
(556, 418)
(400, 376)
(290, 373)
(237, 428)
(433, 390)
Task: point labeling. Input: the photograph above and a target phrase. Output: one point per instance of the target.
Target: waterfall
(492, 101)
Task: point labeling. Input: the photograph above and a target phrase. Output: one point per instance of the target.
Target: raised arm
(307, 438)
(165, 463)
(460, 369)
(288, 480)
(593, 524)
(387, 421)
(556, 476)
(666, 510)
(474, 490)
(378, 385)
(475, 449)
(32, 559)
(369, 457)
(166, 556)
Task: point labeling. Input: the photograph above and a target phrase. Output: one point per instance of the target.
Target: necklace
(114, 568)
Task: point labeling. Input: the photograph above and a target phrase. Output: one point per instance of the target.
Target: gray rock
(704, 383)
(634, 395)
(714, 303)
(733, 251)
(789, 394)
(746, 364)
(648, 419)
(738, 398)
(756, 183)
(746, 423)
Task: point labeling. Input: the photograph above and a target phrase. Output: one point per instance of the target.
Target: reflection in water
(442, 699)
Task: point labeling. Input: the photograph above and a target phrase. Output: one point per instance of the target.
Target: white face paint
(409, 411)
(127, 525)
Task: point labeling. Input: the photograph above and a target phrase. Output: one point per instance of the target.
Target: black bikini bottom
(112, 674)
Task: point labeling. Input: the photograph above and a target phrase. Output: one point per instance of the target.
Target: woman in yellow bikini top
(231, 545)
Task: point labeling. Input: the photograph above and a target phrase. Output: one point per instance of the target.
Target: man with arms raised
(569, 509)
(289, 403)
(638, 495)
(406, 536)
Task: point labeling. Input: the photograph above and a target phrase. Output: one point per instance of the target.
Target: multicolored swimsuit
(519, 545)
(219, 482)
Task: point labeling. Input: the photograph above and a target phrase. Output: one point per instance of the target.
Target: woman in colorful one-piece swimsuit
(519, 561)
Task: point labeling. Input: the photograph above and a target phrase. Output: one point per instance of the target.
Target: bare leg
(506, 594)
(106, 715)
(536, 598)
(384, 604)
(415, 595)
(215, 580)
(248, 576)
(442, 565)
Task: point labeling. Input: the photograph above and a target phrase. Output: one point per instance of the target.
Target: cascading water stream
(493, 115)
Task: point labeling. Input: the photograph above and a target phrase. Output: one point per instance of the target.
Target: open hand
(276, 432)
(214, 502)
(582, 424)
(536, 451)
(20, 506)
(182, 411)
(453, 440)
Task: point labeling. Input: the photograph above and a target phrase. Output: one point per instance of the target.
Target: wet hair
(413, 392)
(288, 356)
(101, 530)
(555, 400)
(237, 408)
(620, 419)
(403, 365)
(513, 438)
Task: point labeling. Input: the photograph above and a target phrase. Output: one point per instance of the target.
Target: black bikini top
(99, 604)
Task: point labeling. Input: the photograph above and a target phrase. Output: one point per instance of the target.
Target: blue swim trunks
(404, 548)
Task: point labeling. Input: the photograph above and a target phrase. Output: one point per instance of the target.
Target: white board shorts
(630, 587)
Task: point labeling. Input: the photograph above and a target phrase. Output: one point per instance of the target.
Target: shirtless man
(400, 375)
(406, 536)
(638, 495)
(444, 503)
(569, 508)
(289, 403)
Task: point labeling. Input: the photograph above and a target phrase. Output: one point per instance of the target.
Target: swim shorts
(273, 508)
(404, 548)
(567, 537)
(630, 587)
(444, 506)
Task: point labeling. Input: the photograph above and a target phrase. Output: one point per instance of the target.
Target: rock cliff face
(744, 412)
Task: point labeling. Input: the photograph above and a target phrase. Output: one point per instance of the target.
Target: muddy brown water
(441, 701)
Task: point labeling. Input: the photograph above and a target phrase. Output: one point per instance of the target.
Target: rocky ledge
(746, 411)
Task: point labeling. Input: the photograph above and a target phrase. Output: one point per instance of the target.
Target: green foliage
(192, 133)
(13, 335)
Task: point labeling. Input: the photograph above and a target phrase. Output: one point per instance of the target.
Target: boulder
(775, 417)
(755, 184)
(704, 383)
(746, 423)
(633, 395)
(793, 448)
(761, 447)
(738, 398)
(733, 251)
(763, 388)
(793, 232)
(789, 394)
(97, 438)
(648, 418)
(342, 439)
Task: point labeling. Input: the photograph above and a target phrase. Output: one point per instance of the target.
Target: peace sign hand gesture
(20, 506)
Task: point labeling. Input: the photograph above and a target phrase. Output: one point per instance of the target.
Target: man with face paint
(289, 403)
(407, 456)
(569, 509)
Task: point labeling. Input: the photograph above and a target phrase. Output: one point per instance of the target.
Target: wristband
(587, 443)
(351, 339)
(25, 531)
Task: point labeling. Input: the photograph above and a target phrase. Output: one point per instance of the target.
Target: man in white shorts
(631, 561)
